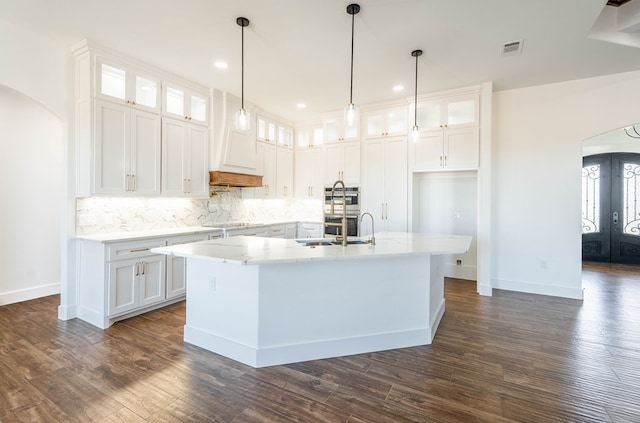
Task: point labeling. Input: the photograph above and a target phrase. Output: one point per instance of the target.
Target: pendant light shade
(242, 120)
(415, 132)
(351, 111)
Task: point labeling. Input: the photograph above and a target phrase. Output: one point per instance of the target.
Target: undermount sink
(318, 243)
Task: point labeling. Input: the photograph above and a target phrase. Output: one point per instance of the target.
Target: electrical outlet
(212, 283)
(458, 262)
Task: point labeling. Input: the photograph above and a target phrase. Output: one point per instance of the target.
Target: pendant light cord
(242, 71)
(353, 16)
(415, 97)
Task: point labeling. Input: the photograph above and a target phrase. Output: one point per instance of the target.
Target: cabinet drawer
(126, 250)
(276, 231)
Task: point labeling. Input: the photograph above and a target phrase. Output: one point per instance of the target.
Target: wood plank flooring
(512, 357)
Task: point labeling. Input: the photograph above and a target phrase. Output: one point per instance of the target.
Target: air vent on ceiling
(512, 48)
(617, 3)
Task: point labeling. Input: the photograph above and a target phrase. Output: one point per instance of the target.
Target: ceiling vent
(512, 48)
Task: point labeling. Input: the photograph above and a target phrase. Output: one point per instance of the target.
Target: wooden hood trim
(218, 178)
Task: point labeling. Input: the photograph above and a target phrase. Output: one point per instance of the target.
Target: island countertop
(248, 250)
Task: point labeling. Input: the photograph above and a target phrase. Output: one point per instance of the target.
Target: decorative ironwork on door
(591, 199)
(630, 197)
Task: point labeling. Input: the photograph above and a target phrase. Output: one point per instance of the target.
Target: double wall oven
(349, 202)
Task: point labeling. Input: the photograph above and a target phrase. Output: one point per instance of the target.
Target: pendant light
(242, 116)
(415, 132)
(351, 111)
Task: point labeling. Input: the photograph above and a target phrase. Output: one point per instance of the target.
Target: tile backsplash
(125, 214)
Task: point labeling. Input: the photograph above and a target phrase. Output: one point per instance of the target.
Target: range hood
(232, 179)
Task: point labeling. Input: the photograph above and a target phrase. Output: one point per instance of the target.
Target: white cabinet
(136, 278)
(342, 161)
(335, 130)
(184, 103)
(309, 172)
(136, 283)
(309, 230)
(275, 164)
(250, 231)
(284, 172)
(309, 135)
(290, 230)
(127, 150)
(266, 166)
(122, 84)
(385, 122)
(176, 266)
(185, 168)
(446, 149)
(268, 130)
(120, 279)
(384, 184)
(449, 134)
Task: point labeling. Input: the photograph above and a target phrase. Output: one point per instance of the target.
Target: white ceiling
(298, 50)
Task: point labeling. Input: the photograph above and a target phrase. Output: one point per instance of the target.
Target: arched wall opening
(32, 186)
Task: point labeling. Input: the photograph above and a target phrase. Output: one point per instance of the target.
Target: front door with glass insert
(611, 208)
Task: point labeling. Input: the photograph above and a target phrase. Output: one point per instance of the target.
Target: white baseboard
(271, 356)
(67, 312)
(29, 293)
(435, 322)
(533, 288)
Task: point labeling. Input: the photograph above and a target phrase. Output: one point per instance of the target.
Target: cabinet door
(396, 174)
(303, 172)
(123, 289)
(351, 173)
(266, 158)
(334, 163)
(174, 146)
(152, 279)
(373, 184)
(112, 173)
(427, 152)
(284, 172)
(462, 148)
(145, 153)
(199, 162)
(176, 267)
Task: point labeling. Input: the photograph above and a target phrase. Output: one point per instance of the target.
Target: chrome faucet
(372, 238)
(342, 237)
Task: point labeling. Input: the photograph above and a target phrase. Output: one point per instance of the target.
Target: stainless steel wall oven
(350, 202)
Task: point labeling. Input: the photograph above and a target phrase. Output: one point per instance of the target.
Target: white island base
(266, 302)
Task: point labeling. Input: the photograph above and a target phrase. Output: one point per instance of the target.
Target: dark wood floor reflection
(510, 357)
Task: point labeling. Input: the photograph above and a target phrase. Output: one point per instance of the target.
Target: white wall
(31, 187)
(41, 69)
(537, 144)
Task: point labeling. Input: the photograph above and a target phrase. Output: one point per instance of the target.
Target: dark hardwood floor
(510, 357)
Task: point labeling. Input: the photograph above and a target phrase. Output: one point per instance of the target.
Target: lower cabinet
(121, 279)
(177, 269)
(136, 283)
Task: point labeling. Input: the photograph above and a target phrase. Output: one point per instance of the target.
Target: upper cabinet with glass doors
(336, 131)
(450, 112)
(385, 122)
(184, 103)
(269, 130)
(120, 84)
(310, 135)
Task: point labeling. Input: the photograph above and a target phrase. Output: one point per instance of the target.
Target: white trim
(460, 272)
(534, 288)
(27, 294)
(283, 354)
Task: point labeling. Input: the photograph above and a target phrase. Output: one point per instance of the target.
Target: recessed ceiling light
(221, 65)
(397, 88)
(301, 105)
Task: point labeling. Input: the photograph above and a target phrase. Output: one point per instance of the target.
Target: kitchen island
(264, 301)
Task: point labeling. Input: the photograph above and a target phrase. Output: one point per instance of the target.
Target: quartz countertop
(257, 250)
(154, 233)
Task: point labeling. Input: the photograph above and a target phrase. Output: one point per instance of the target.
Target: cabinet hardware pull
(127, 183)
(133, 177)
(142, 265)
(440, 161)
(445, 161)
(136, 269)
(137, 250)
